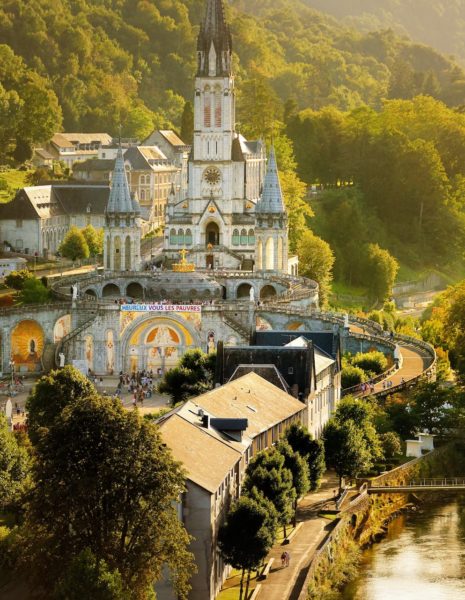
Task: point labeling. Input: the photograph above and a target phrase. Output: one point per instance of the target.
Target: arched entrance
(212, 234)
(267, 291)
(27, 345)
(135, 290)
(243, 291)
(157, 344)
(111, 290)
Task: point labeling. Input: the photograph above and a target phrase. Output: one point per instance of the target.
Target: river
(422, 558)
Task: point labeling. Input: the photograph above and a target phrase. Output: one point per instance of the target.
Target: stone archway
(111, 290)
(267, 291)
(135, 290)
(90, 292)
(212, 234)
(156, 343)
(27, 345)
(243, 291)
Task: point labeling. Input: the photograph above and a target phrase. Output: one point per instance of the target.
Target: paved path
(285, 583)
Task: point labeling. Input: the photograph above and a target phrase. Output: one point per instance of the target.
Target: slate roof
(49, 200)
(66, 140)
(271, 201)
(120, 201)
(95, 164)
(171, 137)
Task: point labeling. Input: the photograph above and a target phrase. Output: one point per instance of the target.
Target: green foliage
(94, 240)
(266, 472)
(352, 376)
(298, 468)
(381, 271)
(86, 577)
(103, 480)
(316, 260)
(17, 279)
(346, 449)
(373, 362)
(33, 292)
(248, 534)
(193, 375)
(14, 467)
(313, 451)
(50, 395)
(74, 245)
(187, 123)
(391, 445)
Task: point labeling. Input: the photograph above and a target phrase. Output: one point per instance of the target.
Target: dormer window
(88, 208)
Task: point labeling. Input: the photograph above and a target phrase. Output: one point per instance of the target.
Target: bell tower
(214, 104)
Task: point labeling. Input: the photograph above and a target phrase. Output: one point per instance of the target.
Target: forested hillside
(440, 24)
(93, 64)
(373, 116)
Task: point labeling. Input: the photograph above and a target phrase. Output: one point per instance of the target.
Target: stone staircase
(237, 326)
(61, 345)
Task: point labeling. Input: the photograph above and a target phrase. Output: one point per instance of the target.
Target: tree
(313, 451)
(34, 292)
(260, 110)
(381, 272)
(17, 279)
(103, 480)
(74, 245)
(14, 467)
(352, 376)
(361, 414)
(192, 376)
(247, 536)
(50, 395)
(187, 123)
(346, 449)
(266, 472)
(299, 470)
(86, 577)
(316, 260)
(23, 151)
(390, 442)
(431, 407)
(94, 240)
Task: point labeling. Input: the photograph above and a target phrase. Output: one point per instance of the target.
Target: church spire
(271, 201)
(214, 44)
(120, 200)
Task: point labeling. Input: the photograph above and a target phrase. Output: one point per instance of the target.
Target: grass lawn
(15, 180)
(232, 585)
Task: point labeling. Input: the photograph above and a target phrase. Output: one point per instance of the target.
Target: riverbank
(364, 522)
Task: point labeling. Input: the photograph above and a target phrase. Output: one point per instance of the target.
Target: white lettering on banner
(195, 308)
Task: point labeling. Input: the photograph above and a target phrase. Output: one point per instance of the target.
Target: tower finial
(214, 36)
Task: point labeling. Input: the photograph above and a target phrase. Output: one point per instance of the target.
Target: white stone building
(217, 219)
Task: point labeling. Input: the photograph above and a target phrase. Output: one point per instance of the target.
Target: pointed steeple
(120, 201)
(214, 44)
(271, 201)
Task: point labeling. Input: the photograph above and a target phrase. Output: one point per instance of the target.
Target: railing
(444, 482)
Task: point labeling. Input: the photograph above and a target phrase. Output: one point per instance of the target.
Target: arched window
(269, 254)
(173, 237)
(207, 109)
(181, 237)
(188, 238)
(260, 255)
(218, 100)
(235, 237)
(251, 237)
(243, 237)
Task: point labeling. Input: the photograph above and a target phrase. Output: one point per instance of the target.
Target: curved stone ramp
(416, 362)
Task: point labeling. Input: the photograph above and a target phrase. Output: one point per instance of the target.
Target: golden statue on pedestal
(183, 266)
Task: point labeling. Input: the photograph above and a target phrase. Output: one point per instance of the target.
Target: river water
(422, 558)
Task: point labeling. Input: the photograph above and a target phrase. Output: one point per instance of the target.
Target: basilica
(232, 214)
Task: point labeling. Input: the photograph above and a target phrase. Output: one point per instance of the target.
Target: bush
(373, 362)
(352, 376)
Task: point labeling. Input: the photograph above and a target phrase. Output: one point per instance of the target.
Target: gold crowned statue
(183, 266)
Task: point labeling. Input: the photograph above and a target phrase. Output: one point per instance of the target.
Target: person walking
(288, 559)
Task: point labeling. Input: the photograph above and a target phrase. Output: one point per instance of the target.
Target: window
(235, 237)
(142, 194)
(251, 237)
(181, 237)
(188, 238)
(173, 237)
(244, 238)
(207, 110)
